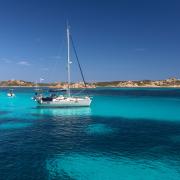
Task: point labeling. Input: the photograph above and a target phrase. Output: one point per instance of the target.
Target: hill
(171, 82)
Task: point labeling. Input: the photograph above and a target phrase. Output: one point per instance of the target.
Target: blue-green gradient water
(127, 134)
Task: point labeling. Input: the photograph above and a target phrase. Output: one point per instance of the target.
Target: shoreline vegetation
(171, 82)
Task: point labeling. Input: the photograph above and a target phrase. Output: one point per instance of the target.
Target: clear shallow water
(126, 134)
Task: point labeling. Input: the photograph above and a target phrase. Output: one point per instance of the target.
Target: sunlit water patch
(98, 129)
(157, 108)
(127, 103)
(18, 107)
(89, 167)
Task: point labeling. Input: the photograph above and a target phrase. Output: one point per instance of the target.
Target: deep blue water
(127, 134)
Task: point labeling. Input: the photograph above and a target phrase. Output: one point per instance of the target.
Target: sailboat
(66, 100)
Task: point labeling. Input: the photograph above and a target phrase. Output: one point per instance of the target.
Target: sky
(114, 39)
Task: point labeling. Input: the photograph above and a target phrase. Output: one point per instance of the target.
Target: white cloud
(23, 63)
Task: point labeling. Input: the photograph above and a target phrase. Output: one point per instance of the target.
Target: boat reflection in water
(71, 111)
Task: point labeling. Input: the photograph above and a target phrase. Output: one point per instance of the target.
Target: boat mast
(68, 61)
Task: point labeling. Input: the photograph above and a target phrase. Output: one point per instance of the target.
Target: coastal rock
(73, 85)
(170, 82)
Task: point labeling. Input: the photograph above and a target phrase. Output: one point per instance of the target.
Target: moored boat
(10, 93)
(65, 100)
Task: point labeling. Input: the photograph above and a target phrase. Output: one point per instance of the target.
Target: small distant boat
(10, 93)
(65, 100)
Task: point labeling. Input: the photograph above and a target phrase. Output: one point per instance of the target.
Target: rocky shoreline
(171, 82)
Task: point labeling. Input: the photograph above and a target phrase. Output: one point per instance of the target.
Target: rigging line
(79, 91)
(77, 60)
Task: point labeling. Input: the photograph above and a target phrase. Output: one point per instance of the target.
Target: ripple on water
(88, 167)
(14, 125)
(4, 112)
(98, 129)
(20, 114)
(175, 139)
(83, 111)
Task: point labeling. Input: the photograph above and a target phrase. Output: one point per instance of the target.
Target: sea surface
(126, 134)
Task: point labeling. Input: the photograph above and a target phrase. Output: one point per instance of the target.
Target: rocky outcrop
(21, 83)
(171, 82)
(73, 85)
(16, 83)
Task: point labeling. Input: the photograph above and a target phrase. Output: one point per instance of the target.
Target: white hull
(10, 94)
(66, 102)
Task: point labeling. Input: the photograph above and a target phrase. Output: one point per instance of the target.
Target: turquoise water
(125, 134)
(102, 167)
